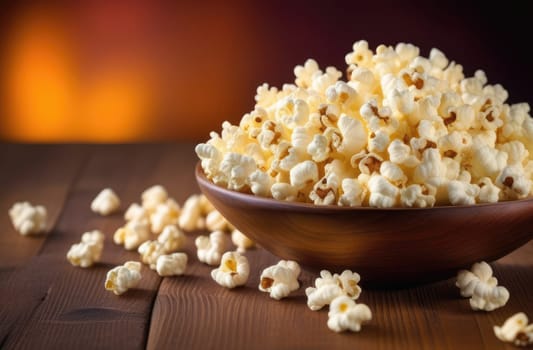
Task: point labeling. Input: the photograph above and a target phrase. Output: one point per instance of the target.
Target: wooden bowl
(387, 247)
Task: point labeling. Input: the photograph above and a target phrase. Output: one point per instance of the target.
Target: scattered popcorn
(281, 279)
(133, 234)
(482, 288)
(191, 214)
(136, 212)
(124, 277)
(516, 330)
(172, 239)
(328, 287)
(210, 249)
(409, 131)
(344, 314)
(88, 251)
(28, 219)
(106, 202)
(153, 196)
(164, 214)
(171, 265)
(150, 251)
(233, 271)
(240, 240)
(216, 222)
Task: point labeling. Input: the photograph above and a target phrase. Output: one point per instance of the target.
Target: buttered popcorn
(401, 130)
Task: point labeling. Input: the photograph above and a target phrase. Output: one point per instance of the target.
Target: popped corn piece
(328, 287)
(133, 234)
(353, 193)
(368, 163)
(237, 168)
(513, 182)
(488, 192)
(150, 251)
(153, 196)
(281, 279)
(393, 173)
(361, 55)
(516, 151)
(216, 222)
(383, 194)
(353, 135)
(400, 153)
(210, 249)
(172, 238)
(304, 173)
(136, 212)
(306, 73)
(417, 196)
(166, 213)
(124, 277)
(325, 191)
(462, 193)
(515, 330)
(344, 314)
(171, 264)
(88, 251)
(106, 202)
(205, 205)
(482, 288)
(210, 158)
(240, 240)
(233, 270)
(191, 214)
(28, 219)
(284, 191)
(261, 183)
(487, 161)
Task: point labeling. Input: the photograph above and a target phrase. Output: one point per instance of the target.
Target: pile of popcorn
(402, 130)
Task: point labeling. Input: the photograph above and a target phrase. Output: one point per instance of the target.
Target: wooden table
(47, 303)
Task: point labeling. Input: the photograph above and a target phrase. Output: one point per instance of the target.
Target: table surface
(47, 303)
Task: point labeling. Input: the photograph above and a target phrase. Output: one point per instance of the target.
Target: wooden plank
(60, 306)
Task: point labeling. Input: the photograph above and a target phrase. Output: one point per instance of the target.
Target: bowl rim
(279, 204)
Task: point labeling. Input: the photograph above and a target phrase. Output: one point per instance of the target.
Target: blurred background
(126, 71)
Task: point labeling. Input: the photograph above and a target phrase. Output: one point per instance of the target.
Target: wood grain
(47, 303)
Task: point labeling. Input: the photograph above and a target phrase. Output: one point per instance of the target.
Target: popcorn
(216, 222)
(124, 277)
(133, 234)
(172, 238)
(516, 330)
(150, 251)
(164, 214)
(344, 314)
(171, 265)
(153, 196)
(88, 251)
(28, 219)
(482, 288)
(106, 202)
(210, 249)
(191, 214)
(233, 271)
(407, 130)
(281, 279)
(242, 242)
(136, 212)
(328, 287)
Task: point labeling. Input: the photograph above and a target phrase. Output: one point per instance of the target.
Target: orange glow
(39, 81)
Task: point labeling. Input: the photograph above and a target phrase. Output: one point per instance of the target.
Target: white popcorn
(171, 265)
(150, 251)
(488, 192)
(417, 196)
(165, 214)
(325, 191)
(124, 277)
(191, 214)
(515, 330)
(516, 151)
(216, 222)
(172, 238)
(305, 74)
(462, 193)
(304, 173)
(237, 168)
(88, 251)
(489, 161)
(281, 279)
(28, 219)
(353, 193)
(260, 183)
(383, 194)
(241, 241)
(513, 182)
(353, 135)
(233, 271)
(328, 287)
(133, 234)
(482, 288)
(136, 212)
(210, 249)
(106, 202)
(344, 314)
(361, 55)
(400, 153)
(153, 196)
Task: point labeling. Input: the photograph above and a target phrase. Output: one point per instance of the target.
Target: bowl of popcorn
(404, 171)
